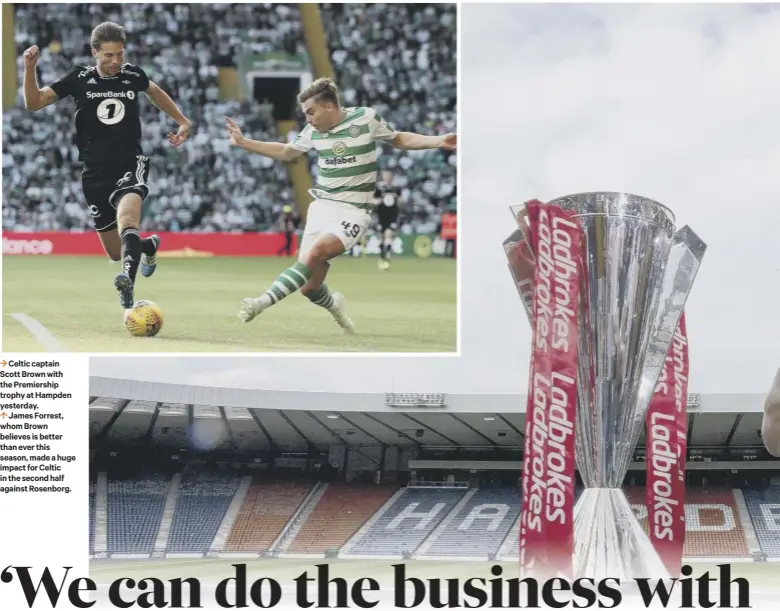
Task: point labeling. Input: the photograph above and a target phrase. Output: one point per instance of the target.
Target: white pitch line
(40, 333)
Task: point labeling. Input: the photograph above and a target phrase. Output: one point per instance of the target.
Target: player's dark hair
(322, 90)
(107, 32)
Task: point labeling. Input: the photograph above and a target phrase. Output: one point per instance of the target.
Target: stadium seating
(92, 495)
(764, 508)
(513, 538)
(266, 509)
(407, 522)
(203, 500)
(480, 526)
(713, 528)
(135, 507)
(338, 515)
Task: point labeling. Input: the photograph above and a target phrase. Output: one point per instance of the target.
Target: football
(144, 319)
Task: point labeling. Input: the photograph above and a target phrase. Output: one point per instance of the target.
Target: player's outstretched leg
(289, 281)
(149, 248)
(128, 219)
(333, 303)
(318, 256)
(308, 275)
(131, 257)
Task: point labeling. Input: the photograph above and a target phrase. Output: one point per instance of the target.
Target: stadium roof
(177, 415)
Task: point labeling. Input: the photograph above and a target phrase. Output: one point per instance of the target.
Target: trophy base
(609, 541)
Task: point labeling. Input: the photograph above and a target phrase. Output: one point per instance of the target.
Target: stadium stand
(764, 508)
(713, 528)
(267, 507)
(203, 500)
(205, 186)
(480, 526)
(407, 522)
(135, 508)
(306, 491)
(511, 545)
(338, 515)
(418, 521)
(92, 495)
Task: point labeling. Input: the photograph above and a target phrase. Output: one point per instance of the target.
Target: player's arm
(163, 101)
(770, 429)
(274, 150)
(34, 97)
(409, 141)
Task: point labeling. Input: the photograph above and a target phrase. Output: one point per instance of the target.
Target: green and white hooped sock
(289, 281)
(322, 297)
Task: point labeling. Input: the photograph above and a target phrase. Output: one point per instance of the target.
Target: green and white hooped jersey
(346, 156)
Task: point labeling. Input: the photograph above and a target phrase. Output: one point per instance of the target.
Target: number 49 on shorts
(350, 229)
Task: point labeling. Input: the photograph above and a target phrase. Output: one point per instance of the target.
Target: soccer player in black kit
(388, 198)
(289, 225)
(115, 175)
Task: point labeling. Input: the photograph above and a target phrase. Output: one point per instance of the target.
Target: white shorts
(325, 216)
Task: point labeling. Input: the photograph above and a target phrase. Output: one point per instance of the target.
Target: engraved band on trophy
(633, 272)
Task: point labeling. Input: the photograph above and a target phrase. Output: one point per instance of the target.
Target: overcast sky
(677, 103)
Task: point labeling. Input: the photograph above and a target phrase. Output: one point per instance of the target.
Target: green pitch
(410, 308)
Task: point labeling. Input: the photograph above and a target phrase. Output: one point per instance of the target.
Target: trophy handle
(521, 258)
(683, 262)
(521, 219)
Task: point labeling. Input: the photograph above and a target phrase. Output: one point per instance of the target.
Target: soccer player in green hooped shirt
(346, 143)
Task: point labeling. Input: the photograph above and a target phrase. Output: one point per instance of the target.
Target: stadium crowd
(205, 185)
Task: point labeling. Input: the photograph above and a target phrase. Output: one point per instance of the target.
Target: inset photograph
(230, 177)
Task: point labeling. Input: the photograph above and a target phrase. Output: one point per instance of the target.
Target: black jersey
(108, 125)
(288, 222)
(389, 197)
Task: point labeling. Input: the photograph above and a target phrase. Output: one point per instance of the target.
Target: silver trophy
(638, 272)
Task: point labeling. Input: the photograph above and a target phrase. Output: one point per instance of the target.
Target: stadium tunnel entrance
(281, 92)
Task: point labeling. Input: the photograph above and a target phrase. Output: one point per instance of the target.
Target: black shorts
(104, 185)
(388, 220)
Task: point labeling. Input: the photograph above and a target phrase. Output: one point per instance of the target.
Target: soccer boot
(339, 315)
(252, 306)
(149, 262)
(124, 287)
